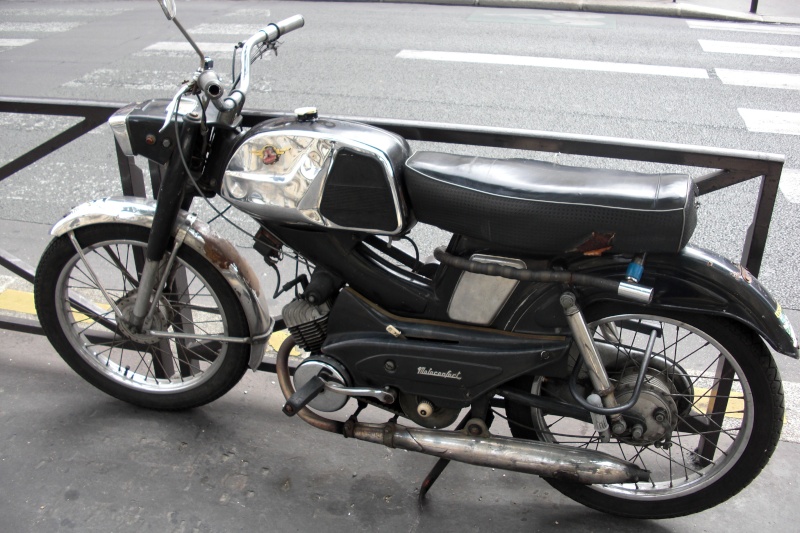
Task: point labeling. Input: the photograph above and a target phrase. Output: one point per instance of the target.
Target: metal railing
(733, 166)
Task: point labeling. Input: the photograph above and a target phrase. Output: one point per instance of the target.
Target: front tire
(157, 373)
(703, 464)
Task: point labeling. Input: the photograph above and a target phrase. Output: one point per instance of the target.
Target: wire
(220, 214)
(413, 245)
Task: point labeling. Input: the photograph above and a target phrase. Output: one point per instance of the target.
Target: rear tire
(146, 371)
(684, 482)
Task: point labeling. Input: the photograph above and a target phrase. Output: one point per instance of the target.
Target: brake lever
(174, 104)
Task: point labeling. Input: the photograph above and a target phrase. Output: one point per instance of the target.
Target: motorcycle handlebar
(285, 26)
(271, 33)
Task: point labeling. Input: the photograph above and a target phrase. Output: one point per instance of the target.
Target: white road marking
(752, 49)
(771, 121)
(165, 46)
(248, 13)
(753, 78)
(743, 27)
(5, 43)
(164, 82)
(790, 185)
(154, 80)
(61, 13)
(245, 30)
(38, 27)
(552, 62)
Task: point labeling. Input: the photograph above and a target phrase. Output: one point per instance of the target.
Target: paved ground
(74, 459)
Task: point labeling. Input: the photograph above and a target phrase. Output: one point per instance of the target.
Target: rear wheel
(709, 415)
(150, 371)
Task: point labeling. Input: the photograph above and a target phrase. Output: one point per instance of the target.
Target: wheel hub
(655, 413)
(159, 321)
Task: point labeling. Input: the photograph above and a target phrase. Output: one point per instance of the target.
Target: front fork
(171, 199)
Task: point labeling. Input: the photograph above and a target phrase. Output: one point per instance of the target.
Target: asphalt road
(348, 61)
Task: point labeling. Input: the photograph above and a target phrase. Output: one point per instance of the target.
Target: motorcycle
(632, 368)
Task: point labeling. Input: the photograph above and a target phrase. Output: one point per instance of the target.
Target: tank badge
(270, 154)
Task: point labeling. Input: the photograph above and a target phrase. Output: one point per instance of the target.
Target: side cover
(449, 363)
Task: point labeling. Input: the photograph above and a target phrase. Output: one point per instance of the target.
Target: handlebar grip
(285, 26)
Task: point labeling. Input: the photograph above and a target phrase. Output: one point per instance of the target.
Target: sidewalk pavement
(772, 11)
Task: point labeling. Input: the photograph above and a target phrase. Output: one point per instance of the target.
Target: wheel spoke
(690, 373)
(141, 362)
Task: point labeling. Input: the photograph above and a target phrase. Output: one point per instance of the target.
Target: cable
(413, 245)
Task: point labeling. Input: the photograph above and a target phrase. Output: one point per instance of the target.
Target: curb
(678, 10)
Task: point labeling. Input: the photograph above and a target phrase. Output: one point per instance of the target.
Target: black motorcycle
(633, 370)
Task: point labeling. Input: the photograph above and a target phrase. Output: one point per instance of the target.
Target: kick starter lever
(305, 394)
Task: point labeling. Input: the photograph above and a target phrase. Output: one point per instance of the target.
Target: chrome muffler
(530, 457)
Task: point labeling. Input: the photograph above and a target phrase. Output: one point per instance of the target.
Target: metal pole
(753, 6)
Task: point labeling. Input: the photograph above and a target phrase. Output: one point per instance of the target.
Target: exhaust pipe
(530, 457)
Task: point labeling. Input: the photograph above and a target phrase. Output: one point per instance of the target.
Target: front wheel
(142, 369)
(709, 415)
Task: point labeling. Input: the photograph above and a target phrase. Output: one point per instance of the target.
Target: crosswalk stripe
(752, 49)
(5, 43)
(752, 78)
(765, 121)
(61, 13)
(551, 62)
(244, 30)
(790, 185)
(747, 27)
(165, 46)
(38, 27)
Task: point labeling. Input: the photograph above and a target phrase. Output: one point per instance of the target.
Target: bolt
(637, 431)
(474, 430)
(660, 416)
(545, 355)
(389, 366)
(150, 139)
(166, 143)
(618, 428)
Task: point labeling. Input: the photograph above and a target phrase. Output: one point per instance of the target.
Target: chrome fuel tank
(323, 172)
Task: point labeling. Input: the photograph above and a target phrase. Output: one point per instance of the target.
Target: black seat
(539, 207)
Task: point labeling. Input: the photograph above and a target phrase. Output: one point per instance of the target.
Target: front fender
(697, 280)
(198, 236)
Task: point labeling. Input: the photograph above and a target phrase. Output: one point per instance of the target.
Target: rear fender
(697, 280)
(202, 239)
(693, 281)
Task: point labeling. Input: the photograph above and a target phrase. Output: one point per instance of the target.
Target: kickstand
(440, 465)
